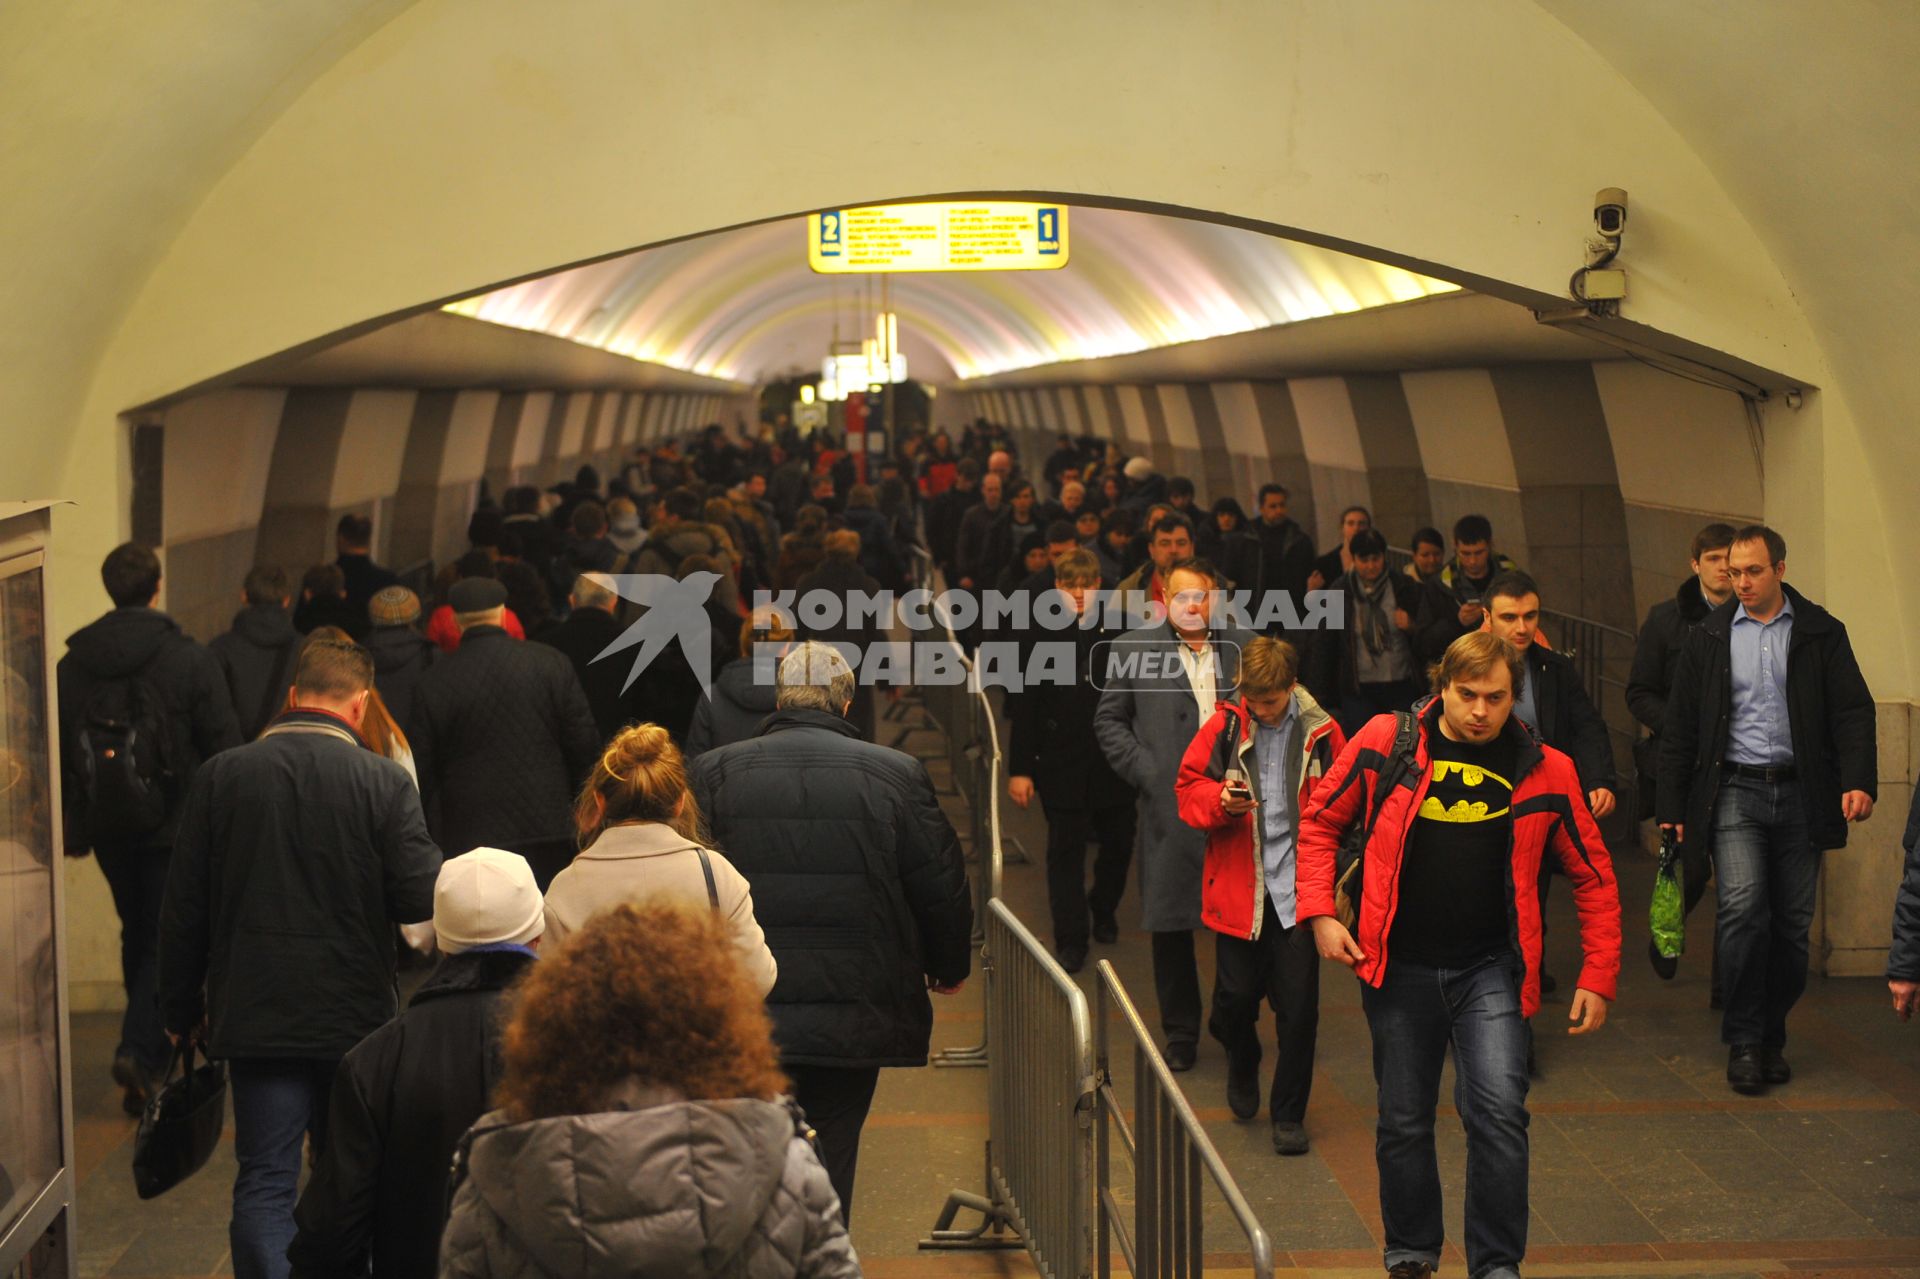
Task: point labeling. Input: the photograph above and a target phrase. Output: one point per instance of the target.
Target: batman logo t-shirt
(1454, 894)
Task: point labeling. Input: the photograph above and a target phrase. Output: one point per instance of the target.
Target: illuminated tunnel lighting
(743, 305)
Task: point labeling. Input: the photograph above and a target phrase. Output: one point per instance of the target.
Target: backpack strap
(1406, 736)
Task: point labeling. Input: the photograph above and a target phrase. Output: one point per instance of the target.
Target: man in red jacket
(1245, 779)
(1448, 939)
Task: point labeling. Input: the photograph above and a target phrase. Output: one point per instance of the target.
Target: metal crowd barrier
(1168, 1149)
(1040, 1101)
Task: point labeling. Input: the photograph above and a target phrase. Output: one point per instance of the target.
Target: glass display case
(36, 1129)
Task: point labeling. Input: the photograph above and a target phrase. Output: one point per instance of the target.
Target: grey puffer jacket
(675, 1188)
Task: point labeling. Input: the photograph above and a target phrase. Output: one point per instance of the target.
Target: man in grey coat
(1160, 683)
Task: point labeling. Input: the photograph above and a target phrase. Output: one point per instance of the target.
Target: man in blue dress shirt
(1769, 748)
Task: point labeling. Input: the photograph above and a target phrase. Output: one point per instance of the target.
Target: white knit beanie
(486, 897)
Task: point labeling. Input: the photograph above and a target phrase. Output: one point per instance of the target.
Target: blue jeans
(1414, 1015)
(276, 1103)
(1767, 872)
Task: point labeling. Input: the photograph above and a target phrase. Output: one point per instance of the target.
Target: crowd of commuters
(352, 771)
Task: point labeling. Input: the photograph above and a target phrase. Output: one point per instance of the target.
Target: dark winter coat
(1569, 721)
(944, 514)
(880, 553)
(584, 636)
(1051, 738)
(400, 1102)
(296, 856)
(258, 656)
(1329, 666)
(1144, 724)
(1829, 709)
(190, 683)
(309, 615)
(1656, 655)
(1903, 960)
(502, 737)
(365, 579)
(740, 702)
(857, 880)
(1286, 558)
(401, 655)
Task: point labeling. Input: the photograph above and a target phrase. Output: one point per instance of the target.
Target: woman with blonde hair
(641, 1127)
(742, 693)
(639, 838)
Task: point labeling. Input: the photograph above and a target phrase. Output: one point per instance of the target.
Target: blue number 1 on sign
(1048, 229)
(831, 223)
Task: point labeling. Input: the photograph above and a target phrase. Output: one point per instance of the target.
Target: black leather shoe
(1411, 1270)
(1744, 1071)
(1180, 1057)
(1106, 929)
(1072, 958)
(1773, 1067)
(136, 1085)
(1665, 965)
(1289, 1138)
(1243, 1082)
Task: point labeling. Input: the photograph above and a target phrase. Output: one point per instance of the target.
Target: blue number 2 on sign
(1049, 230)
(830, 226)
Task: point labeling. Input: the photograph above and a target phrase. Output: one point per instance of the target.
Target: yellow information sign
(973, 236)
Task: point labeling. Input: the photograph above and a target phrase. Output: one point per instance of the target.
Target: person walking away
(858, 880)
(361, 577)
(256, 653)
(592, 625)
(642, 1121)
(639, 829)
(1162, 682)
(743, 691)
(1447, 939)
(296, 855)
(1053, 752)
(502, 737)
(377, 1200)
(401, 654)
(141, 708)
(1767, 753)
(1246, 776)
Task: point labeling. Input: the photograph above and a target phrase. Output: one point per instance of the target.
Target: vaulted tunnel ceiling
(743, 304)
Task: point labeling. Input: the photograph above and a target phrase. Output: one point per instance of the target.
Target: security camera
(1610, 212)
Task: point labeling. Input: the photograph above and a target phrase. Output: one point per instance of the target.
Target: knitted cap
(486, 897)
(1137, 469)
(394, 606)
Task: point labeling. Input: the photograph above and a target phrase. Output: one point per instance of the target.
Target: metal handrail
(1168, 1154)
(1039, 1153)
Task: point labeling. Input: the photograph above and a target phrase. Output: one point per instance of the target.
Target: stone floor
(1643, 1162)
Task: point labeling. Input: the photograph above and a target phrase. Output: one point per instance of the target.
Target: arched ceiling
(743, 304)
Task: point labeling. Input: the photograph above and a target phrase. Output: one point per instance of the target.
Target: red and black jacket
(1234, 884)
(1549, 810)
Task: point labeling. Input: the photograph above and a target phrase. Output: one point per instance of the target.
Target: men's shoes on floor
(1072, 958)
(136, 1086)
(1665, 965)
(1290, 1138)
(1411, 1270)
(1745, 1074)
(1243, 1082)
(1773, 1067)
(1180, 1057)
(1106, 929)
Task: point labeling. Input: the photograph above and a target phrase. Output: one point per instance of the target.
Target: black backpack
(126, 771)
(1350, 859)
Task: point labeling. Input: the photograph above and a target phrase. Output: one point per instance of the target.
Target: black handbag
(181, 1125)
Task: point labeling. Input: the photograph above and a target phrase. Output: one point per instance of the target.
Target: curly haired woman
(641, 1128)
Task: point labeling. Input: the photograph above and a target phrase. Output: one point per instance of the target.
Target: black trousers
(1176, 980)
(137, 877)
(1281, 966)
(1068, 832)
(836, 1100)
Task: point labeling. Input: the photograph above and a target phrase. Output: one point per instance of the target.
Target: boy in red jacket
(1245, 780)
(1448, 940)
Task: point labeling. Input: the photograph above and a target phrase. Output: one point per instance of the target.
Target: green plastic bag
(1668, 912)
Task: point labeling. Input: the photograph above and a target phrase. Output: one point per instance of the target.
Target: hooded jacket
(1233, 886)
(261, 649)
(401, 656)
(199, 707)
(733, 710)
(1830, 713)
(1549, 812)
(400, 1102)
(675, 1189)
